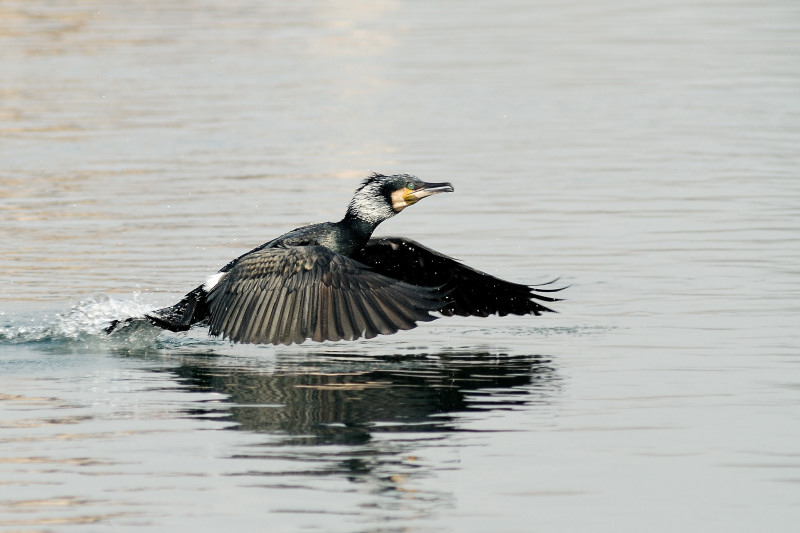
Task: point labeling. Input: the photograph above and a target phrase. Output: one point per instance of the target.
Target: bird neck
(368, 209)
(360, 228)
(363, 215)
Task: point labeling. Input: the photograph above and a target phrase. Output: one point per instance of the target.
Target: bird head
(380, 197)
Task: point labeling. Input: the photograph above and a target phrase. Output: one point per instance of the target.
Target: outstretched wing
(469, 292)
(286, 295)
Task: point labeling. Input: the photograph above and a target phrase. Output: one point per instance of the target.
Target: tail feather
(179, 317)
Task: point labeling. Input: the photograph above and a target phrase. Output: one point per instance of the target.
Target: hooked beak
(427, 189)
(405, 197)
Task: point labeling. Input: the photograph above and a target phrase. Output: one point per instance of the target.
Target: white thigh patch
(213, 280)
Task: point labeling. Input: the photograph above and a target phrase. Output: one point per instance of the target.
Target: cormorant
(333, 281)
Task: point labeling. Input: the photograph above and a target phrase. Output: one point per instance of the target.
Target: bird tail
(179, 317)
(131, 321)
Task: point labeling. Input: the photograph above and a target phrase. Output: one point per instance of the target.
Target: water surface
(645, 154)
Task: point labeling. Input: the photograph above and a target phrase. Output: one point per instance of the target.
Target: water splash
(86, 319)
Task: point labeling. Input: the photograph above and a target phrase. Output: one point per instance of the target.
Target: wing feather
(344, 324)
(286, 295)
(262, 315)
(285, 332)
(377, 316)
(359, 318)
(396, 314)
(241, 310)
(465, 290)
(276, 321)
(371, 329)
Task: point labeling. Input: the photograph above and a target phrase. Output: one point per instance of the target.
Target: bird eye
(411, 185)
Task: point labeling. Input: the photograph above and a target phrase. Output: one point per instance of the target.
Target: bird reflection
(332, 399)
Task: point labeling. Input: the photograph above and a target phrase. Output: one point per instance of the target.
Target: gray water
(646, 152)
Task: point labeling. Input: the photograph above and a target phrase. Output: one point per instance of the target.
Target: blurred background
(647, 153)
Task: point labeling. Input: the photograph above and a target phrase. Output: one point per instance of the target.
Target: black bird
(332, 281)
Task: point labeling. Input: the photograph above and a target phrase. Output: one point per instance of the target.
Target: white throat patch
(369, 205)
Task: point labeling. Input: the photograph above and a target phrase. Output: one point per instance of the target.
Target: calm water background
(648, 153)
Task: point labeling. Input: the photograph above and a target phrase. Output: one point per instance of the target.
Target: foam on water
(86, 319)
